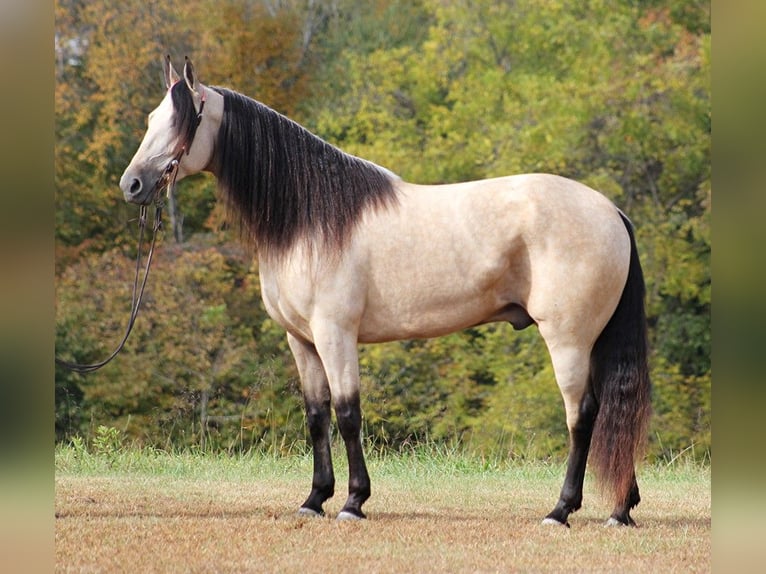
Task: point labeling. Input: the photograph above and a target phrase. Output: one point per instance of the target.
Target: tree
(615, 94)
(494, 88)
(193, 364)
(102, 82)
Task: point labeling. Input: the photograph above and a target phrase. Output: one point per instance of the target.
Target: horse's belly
(420, 324)
(427, 277)
(430, 305)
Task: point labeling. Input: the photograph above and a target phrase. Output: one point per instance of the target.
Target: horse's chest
(287, 301)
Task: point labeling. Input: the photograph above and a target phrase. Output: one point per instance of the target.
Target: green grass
(433, 509)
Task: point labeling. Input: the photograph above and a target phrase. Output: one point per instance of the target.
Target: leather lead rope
(138, 292)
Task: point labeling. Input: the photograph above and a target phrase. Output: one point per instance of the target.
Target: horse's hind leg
(571, 366)
(621, 513)
(316, 396)
(570, 498)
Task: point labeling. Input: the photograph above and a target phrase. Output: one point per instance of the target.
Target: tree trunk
(176, 219)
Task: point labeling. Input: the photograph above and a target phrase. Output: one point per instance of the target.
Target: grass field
(431, 511)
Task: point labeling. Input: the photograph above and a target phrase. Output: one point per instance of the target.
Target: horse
(349, 253)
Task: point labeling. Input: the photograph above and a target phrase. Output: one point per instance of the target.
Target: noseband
(166, 181)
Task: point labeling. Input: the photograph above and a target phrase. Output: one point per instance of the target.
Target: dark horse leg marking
(621, 514)
(323, 482)
(316, 397)
(349, 415)
(570, 499)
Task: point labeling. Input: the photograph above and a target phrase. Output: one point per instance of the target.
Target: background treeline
(613, 93)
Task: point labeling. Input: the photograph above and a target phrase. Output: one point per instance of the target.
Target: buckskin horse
(350, 253)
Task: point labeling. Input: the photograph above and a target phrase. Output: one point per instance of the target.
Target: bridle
(168, 177)
(166, 181)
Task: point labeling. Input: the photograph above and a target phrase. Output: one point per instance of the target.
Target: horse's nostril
(135, 187)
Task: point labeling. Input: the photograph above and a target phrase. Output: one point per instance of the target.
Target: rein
(166, 181)
(138, 293)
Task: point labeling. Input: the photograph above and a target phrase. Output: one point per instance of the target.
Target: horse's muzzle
(135, 190)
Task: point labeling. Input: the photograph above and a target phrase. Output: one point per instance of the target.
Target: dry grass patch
(422, 518)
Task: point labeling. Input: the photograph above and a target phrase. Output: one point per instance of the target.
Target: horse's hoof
(345, 515)
(309, 512)
(615, 522)
(555, 522)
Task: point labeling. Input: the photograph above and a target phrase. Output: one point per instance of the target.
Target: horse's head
(179, 139)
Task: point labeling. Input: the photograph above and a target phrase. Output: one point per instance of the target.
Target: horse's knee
(349, 416)
(318, 418)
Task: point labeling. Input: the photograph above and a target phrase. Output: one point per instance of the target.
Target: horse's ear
(171, 76)
(190, 77)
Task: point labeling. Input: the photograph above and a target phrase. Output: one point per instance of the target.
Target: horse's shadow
(92, 508)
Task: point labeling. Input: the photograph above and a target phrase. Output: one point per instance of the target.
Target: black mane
(285, 184)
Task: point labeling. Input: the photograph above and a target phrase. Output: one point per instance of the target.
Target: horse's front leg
(349, 414)
(340, 359)
(316, 396)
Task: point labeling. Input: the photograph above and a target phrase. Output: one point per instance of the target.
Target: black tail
(620, 381)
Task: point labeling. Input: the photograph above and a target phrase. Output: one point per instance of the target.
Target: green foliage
(108, 441)
(494, 88)
(615, 94)
(193, 344)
